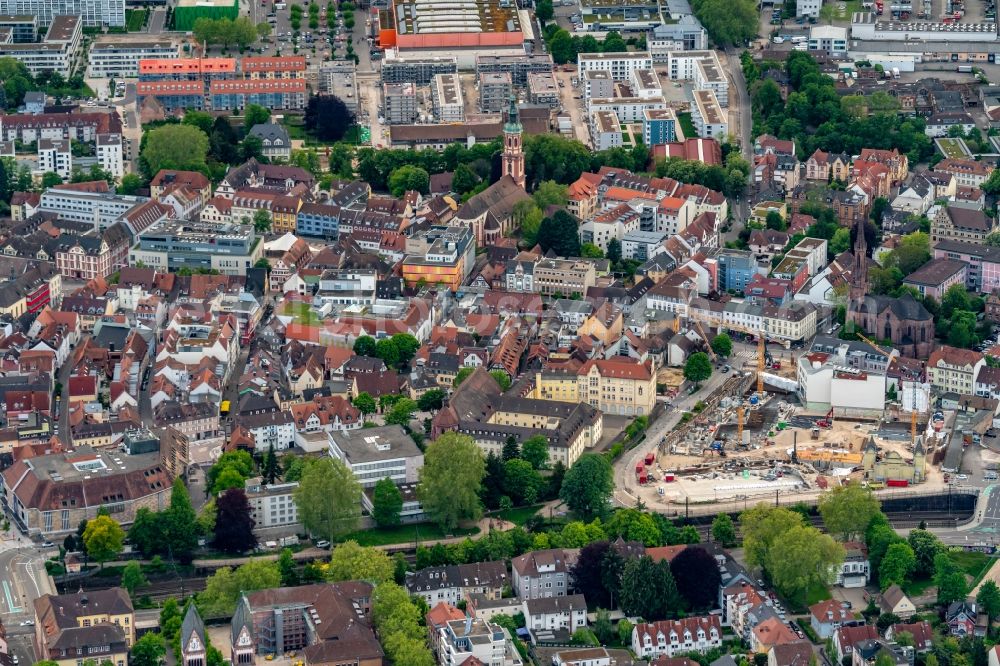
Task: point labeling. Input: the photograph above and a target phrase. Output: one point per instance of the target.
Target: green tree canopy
(723, 530)
(450, 479)
(897, 565)
(349, 561)
(328, 498)
(535, 450)
(224, 587)
(698, 368)
(103, 538)
(848, 510)
(722, 345)
(408, 177)
(175, 147)
(387, 503)
(588, 485)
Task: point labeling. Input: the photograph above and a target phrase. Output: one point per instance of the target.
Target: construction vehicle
(708, 343)
(826, 421)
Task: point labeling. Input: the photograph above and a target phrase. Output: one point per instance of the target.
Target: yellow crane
(708, 343)
(761, 350)
(892, 356)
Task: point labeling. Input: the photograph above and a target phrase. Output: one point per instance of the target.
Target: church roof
(192, 624)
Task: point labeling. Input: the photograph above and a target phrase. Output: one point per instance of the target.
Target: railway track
(909, 520)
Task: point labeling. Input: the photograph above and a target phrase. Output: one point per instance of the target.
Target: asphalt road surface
(22, 580)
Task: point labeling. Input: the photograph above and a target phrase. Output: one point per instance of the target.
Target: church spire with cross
(512, 161)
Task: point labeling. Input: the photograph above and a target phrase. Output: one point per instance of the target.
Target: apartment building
(659, 126)
(597, 84)
(954, 370)
(453, 583)
(605, 132)
(707, 115)
(93, 625)
(109, 154)
(701, 67)
(276, 93)
(475, 641)
(518, 66)
(439, 255)
(271, 505)
(399, 102)
(446, 95)
(495, 89)
(55, 156)
(541, 573)
(94, 13)
(620, 65)
(23, 28)
(687, 34)
(100, 208)
(110, 57)
(418, 71)
(967, 173)
(543, 89)
(670, 637)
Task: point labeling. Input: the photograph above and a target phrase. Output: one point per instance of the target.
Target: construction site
(753, 438)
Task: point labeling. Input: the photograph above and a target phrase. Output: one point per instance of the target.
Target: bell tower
(512, 161)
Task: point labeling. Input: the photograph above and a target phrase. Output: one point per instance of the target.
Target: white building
(628, 109)
(545, 615)
(670, 637)
(687, 34)
(446, 94)
(605, 132)
(110, 58)
(95, 13)
(474, 638)
(829, 39)
(109, 154)
(58, 50)
(808, 7)
(101, 209)
(270, 429)
(55, 155)
(707, 115)
(866, 26)
(702, 67)
(826, 381)
(272, 505)
(373, 454)
(646, 84)
(620, 65)
(346, 287)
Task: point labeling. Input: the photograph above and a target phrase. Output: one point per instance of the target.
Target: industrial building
(867, 26)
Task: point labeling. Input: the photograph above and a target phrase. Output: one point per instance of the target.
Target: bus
(224, 408)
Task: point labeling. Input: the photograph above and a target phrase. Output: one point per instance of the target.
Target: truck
(897, 483)
(895, 72)
(964, 69)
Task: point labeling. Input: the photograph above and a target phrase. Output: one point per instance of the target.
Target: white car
(962, 477)
(322, 543)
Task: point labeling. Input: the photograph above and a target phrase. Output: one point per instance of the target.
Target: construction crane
(893, 356)
(708, 343)
(763, 356)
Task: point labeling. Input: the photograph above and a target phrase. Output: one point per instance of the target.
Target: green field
(687, 125)
(401, 534)
(973, 564)
(839, 11)
(519, 515)
(135, 19)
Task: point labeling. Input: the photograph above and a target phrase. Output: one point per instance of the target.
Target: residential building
(659, 126)
(894, 600)
(96, 624)
(54, 156)
(373, 454)
(950, 369)
(554, 616)
(453, 583)
(619, 65)
(543, 89)
(446, 96)
(474, 640)
(98, 207)
(271, 505)
(94, 14)
(111, 58)
(442, 255)
(494, 91)
(669, 637)
(826, 617)
(605, 132)
(540, 573)
(109, 154)
(614, 386)
(856, 568)
(399, 102)
(564, 276)
(419, 71)
(967, 172)
(274, 140)
(684, 34)
(237, 94)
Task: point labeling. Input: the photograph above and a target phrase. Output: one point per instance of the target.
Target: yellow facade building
(96, 625)
(615, 386)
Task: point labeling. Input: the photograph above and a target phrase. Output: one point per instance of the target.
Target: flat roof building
(543, 89)
(110, 57)
(373, 454)
(446, 94)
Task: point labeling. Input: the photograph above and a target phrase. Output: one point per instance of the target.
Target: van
(799, 40)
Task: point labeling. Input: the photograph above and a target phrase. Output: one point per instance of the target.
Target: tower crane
(708, 343)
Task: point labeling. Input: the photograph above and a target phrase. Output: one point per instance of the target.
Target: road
(22, 580)
(740, 122)
(157, 21)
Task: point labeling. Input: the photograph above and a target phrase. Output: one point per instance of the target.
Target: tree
(897, 565)
(560, 233)
(147, 532)
(698, 368)
(949, 579)
(464, 179)
(521, 481)
(149, 650)
(406, 347)
(588, 485)
(401, 412)
(801, 558)
(847, 510)
(327, 117)
(723, 530)
(614, 252)
(544, 10)
(591, 251)
(697, 576)
(775, 221)
(722, 345)
(431, 400)
(365, 403)
(234, 524)
(174, 147)
(648, 589)
(634, 525)
(132, 577)
(841, 241)
(387, 503)
(51, 179)
(408, 177)
(461, 376)
(588, 573)
(762, 525)
(349, 561)
(255, 114)
(365, 346)
(450, 479)
(387, 350)
(992, 184)
(103, 539)
(727, 23)
(501, 378)
(328, 499)
(261, 221)
(536, 451)
(224, 587)
(926, 547)
(230, 471)
(270, 470)
(988, 599)
(603, 629)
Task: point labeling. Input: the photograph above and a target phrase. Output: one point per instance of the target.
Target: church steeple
(859, 272)
(512, 161)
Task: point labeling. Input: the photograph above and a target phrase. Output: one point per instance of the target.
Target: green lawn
(973, 564)
(916, 588)
(386, 536)
(135, 19)
(519, 515)
(832, 11)
(687, 126)
(301, 312)
(952, 148)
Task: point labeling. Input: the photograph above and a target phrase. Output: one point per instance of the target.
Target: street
(22, 580)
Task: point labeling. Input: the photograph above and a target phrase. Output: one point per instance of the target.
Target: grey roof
(549, 605)
(369, 444)
(270, 132)
(192, 624)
